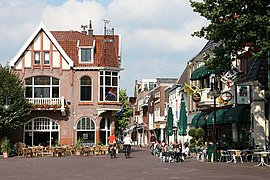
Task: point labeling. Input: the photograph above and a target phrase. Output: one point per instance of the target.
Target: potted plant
(79, 146)
(5, 147)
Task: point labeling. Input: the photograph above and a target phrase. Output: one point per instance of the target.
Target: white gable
(32, 37)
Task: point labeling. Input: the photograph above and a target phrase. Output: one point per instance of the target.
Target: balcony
(206, 101)
(48, 104)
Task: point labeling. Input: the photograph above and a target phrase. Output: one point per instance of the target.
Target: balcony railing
(44, 101)
(47, 103)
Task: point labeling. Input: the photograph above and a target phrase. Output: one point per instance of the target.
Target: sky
(156, 34)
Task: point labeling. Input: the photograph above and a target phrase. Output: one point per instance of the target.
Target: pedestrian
(152, 140)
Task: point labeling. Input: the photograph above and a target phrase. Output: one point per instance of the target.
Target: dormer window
(86, 54)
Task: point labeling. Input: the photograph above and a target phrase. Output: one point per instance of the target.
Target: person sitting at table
(185, 151)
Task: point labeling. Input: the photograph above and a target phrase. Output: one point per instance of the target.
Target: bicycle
(127, 151)
(112, 151)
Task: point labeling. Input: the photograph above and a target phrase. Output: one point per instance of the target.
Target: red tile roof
(69, 39)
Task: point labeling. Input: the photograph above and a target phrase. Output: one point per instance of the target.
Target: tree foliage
(197, 136)
(123, 116)
(12, 93)
(236, 24)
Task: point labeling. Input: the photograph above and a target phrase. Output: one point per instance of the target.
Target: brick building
(72, 85)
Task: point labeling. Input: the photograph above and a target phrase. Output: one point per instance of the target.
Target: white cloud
(156, 34)
(72, 14)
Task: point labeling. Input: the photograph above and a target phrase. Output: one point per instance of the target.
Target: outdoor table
(233, 153)
(262, 154)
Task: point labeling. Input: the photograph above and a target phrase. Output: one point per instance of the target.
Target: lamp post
(6, 105)
(214, 93)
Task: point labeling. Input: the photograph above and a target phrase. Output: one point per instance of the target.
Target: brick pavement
(141, 166)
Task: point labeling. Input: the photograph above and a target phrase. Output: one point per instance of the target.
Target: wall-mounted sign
(242, 94)
(196, 97)
(226, 96)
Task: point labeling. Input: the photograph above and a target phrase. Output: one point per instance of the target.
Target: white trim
(91, 55)
(99, 68)
(51, 37)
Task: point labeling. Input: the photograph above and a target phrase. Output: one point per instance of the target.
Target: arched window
(86, 89)
(41, 131)
(86, 130)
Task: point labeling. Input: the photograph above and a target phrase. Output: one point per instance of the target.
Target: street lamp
(214, 93)
(6, 105)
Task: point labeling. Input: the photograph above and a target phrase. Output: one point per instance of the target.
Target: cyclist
(112, 147)
(127, 145)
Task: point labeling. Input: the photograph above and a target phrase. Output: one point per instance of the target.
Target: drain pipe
(72, 106)
(268, 104)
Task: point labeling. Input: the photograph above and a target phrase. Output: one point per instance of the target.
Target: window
(104, 130)
(41, 131)
(86, 55)
(37, 57)
(42, 87)
(108, 90)
(86, 130)
(46, 57)
(86, 89)
(151, 86)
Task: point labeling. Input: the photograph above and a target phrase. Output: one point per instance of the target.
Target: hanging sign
(196, 97)
(242, 94)
(226, 96)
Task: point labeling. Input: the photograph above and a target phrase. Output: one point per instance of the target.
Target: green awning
(199, 119)
(201, 72)
(235, 114)
(219, 115)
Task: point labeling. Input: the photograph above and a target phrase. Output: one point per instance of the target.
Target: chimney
(90, 30)
(83, 29)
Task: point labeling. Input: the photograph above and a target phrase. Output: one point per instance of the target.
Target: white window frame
(85, 129)
(41, 124)
(106, 86)
(45, 59)
(91, 88)
(37, 58)
(91, 55)
(33, 86)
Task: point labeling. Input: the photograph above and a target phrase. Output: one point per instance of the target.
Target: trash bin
(211, 152)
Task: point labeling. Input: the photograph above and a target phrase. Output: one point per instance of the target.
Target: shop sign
(226, 96)
(196, 97)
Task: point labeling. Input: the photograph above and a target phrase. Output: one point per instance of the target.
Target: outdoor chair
(224, 155)
(238, 155)
(247, 154)
(27, 152)
(256, 157)
(19, 148)
(96, 150)
(103, 150)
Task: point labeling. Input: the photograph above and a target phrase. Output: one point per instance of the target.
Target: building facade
(233, 108)
(72, 86)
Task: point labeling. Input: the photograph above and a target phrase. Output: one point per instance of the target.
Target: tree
(235, 24)
(197, 137)
(11, 94)
(123, 116)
